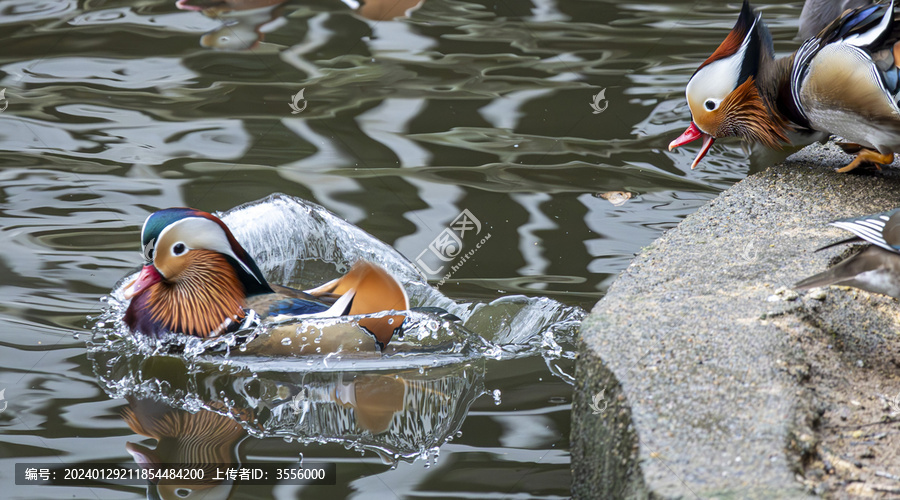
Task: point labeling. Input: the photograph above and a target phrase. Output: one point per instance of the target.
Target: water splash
(438, 363)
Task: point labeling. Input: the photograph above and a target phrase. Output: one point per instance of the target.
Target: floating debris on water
(617, 198)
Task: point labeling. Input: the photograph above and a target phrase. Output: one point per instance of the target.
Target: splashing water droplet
(496, 395)
(286, 341)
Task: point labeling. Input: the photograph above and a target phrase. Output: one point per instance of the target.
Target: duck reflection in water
(396, 414)
(201, 439)
(374, 399)
(245, 22)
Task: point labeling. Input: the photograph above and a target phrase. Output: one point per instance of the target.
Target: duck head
(196, 276)
(726, 95)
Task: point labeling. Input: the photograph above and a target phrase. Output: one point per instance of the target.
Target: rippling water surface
(410, 115)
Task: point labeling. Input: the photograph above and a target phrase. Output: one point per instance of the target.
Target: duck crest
(748, 41)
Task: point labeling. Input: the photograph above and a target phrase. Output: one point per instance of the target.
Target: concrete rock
(717, 380)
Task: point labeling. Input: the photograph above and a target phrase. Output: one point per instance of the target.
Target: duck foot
(868, 156)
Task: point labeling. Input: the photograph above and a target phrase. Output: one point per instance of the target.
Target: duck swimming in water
(198, 280)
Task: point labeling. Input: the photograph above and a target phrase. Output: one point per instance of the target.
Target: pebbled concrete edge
(624, 452)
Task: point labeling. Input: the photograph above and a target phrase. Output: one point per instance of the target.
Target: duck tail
(824, 278)
(842, 272)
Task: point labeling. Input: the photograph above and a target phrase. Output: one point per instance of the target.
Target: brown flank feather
(199, 300)
(747, 116)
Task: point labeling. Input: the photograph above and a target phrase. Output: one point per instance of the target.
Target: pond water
(544, 120)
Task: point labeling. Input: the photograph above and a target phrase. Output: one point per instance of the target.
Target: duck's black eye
(710, 104)
(178, 249)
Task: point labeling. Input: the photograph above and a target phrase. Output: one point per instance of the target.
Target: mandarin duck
(198, 280)
(875, 269)
(843, 81)
(817, 14)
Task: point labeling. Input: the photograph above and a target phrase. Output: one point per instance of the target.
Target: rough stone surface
(712, 384)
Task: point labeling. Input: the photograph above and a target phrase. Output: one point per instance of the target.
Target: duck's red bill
(184, 5)
(149, 275)
(691, 134)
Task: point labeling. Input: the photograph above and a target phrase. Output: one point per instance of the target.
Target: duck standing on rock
(198, 280)
(843, 81)
(875, 269)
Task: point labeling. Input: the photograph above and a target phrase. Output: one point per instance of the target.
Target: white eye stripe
(204, 234)
(719, 78)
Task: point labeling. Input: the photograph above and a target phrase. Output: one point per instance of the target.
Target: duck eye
(711, 104)
(178, 249)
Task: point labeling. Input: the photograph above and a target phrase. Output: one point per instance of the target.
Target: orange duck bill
(691, 134)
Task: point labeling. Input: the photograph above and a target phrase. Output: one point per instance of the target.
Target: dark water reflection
(117, 108)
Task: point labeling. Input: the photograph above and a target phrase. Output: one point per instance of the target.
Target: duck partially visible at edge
(817, 14)
(843, 81)
(875, 269)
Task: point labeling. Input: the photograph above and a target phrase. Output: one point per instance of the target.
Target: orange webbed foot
(868, 156)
